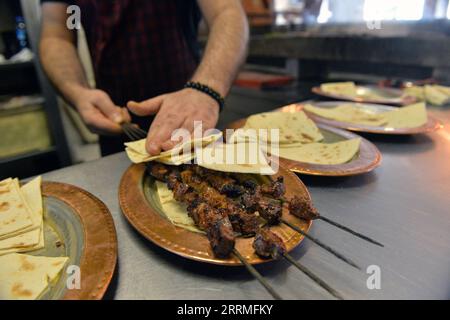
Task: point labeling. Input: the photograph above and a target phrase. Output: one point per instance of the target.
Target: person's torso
(139, 48)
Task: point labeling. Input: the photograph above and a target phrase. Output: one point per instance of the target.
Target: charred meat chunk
(232, 190)
(302, 208)
(276, 189)
(271, 210)
(221, 237)
(243, 223)
(268, 245)
(159, 171)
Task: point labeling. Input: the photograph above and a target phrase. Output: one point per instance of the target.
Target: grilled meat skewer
(300, 207)
(268, 245)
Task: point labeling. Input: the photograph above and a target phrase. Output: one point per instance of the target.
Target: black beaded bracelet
(209, 91)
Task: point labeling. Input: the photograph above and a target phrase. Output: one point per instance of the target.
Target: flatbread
(175, 211)
(137, 152)
(340, 88)
(15, 215)
(241, 157)
(434, 94)
(175, 160)
(349, 113)
(24, 277)
(412, 116)
(322, 153)
(34, 239)
(293, 127)
(437, 95)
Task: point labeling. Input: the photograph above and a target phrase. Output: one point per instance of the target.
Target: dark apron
(140, 49)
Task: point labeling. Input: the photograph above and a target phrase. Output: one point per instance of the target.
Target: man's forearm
(225, 51)
(60, 60)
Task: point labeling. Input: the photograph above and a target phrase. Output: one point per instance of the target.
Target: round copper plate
(142, 213)
(368, 159)
(386, 96)
(98, 253)
(431, 126)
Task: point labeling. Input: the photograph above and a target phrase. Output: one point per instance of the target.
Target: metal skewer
(357, 234)
(312, 276)
(321, 244)
(257, 275)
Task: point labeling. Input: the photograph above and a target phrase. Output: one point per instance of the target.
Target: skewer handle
(313, 277)
(357, 234)
(321, 244)
(257, 275)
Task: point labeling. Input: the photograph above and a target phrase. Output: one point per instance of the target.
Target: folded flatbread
(321, 153)
(293, 127)
(24, 277)
(137, 152)
(349, 113)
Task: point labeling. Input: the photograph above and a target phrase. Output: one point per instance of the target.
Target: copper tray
(79, 226)
(141, 207)
(368, 159)
(431, 126)
(386, 95)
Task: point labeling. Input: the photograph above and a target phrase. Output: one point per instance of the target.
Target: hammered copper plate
(386, 95)
(78, 226)
(431, 126)
(367, 160)
(142, 209)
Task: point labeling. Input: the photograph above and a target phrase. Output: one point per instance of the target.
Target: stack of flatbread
(299, 139)
(21, 216)
(434, 94)
(412, 116)
(22, 230)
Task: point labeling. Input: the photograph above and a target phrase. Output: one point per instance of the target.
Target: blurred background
(295, 45)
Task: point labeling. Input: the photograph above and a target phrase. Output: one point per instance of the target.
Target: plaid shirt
(139, 48)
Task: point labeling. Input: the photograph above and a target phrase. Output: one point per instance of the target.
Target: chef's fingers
(125, 115)
(188, 130)
(147, 107)
(98, 123)
(161, 130)
(104, 103)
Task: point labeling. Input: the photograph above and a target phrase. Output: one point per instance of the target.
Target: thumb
(147, 107)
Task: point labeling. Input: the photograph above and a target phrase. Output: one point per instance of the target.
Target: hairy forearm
(225, 51)
(61, 63)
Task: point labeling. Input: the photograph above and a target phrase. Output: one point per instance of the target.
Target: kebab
(214, 220)
(301, 207)
(268, 201)
(266, 244)
(255, 199)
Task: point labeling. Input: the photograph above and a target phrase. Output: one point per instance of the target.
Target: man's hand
(174, 111)
(99, 113)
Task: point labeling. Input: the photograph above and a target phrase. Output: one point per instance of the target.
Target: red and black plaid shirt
(140, 48)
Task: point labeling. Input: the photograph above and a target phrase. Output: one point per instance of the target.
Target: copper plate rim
(368, 160)
(431, 126)
(99, 257)
(393, 101)
(151, 225)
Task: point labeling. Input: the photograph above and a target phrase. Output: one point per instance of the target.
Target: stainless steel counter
(405, 204)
